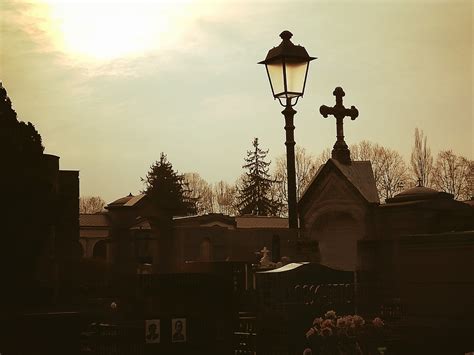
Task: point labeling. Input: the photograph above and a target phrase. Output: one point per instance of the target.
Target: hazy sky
(109, 85)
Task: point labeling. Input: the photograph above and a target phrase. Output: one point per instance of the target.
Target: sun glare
(110, 29)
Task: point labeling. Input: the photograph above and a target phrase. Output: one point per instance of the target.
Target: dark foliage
(19, 141)
(255, 192)
(167, 189)
(26, 212)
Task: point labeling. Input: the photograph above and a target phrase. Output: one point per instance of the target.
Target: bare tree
(368, 151)
(365, 150)
(390, 171)
(306, 167)
(225, 198)
(322, 158)
(200, 191)
(421, 159)
(453, 174)
(91, 204)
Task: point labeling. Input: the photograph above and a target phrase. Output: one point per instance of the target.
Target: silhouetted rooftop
(358, 173)
(126, 201)
(419, 193)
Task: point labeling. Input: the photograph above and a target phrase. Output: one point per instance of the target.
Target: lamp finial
(286, 35)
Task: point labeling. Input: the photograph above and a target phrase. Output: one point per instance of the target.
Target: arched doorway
(337, 233)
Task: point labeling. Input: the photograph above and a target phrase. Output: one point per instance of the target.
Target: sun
(109, 29)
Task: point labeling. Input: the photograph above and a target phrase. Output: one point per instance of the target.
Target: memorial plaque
(178, 329)
(152, 331)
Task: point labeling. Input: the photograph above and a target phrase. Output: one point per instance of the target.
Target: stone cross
(340, 150)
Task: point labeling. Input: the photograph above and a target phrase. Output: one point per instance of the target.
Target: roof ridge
(369, 193)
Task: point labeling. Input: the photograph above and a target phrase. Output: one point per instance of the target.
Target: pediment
(338, 184)
(358, 176)
(332, 187)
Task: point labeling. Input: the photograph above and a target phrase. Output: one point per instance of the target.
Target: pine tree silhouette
(254, 194)
(167, 189)
(20, 143)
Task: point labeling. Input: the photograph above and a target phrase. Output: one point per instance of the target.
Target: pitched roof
(126, 201)
(359, 174)
(134, 200)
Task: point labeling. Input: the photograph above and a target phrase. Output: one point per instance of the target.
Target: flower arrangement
(343, 335)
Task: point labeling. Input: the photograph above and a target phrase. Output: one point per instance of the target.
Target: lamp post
(287, 69)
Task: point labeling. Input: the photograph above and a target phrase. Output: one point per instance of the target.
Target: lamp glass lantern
(287, 69)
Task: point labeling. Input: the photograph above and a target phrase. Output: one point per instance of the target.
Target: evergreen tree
(27, 215)
(167, 189)
(254, 194)
(20, 143)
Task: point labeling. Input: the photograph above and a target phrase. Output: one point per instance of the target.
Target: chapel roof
(359, 174)
(121, 200)
(126, 201)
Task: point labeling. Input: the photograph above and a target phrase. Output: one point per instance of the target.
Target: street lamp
(287, 69)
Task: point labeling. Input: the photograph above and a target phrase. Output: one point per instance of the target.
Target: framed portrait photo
(152, 331)
(178, 330)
